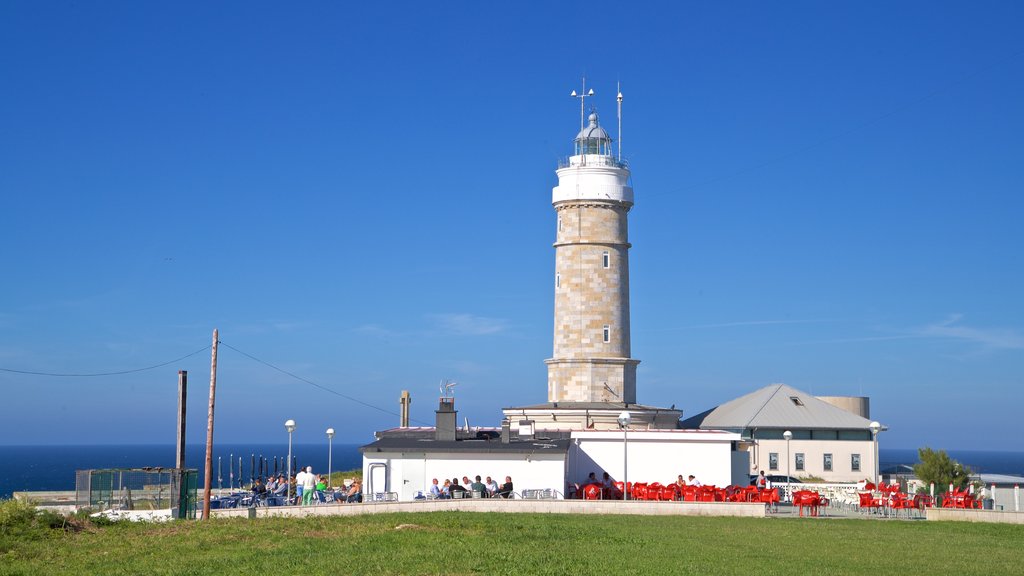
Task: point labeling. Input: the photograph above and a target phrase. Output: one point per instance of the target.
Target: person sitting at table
(479, 490)
(281, 488)
(506, 489)
(456, 490)
(693, 481)
(680, 482)
(446, 489)
(355, 493)
(435, 490)
(492, 486)
(258, 488)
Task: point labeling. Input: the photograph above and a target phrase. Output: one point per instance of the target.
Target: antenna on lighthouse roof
(618, 88)
(583, 97)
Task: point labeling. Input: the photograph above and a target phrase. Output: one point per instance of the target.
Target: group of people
(306, 487)
(481, 489)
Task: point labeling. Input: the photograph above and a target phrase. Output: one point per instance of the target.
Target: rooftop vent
(796, 400)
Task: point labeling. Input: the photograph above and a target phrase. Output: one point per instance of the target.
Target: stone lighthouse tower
(591, 374)
(591, 360)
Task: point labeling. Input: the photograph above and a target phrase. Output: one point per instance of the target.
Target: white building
(828, 441)
(405, 461)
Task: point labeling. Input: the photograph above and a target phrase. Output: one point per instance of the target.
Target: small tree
(936, 466)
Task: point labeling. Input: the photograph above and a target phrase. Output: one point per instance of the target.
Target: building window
(607, 333)
(559, 223)
(606, 259)
(855, 462)
(799, 460)
(558, 280)
(827, 465)
(773, 460)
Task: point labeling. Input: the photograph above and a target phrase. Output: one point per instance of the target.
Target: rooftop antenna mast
(583, 97)
(618, 88)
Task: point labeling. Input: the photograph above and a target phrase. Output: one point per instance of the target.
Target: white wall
(409, 473)
(656, 456)
(814, 452)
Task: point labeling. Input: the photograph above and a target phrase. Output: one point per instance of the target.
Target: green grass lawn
(516, 544)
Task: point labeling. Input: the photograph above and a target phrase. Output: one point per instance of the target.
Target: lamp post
(289, 425)
(624, 419)
(875, 429)
(330, 453)
(788, 435)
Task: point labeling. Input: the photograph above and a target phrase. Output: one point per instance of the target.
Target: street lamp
(624, 419)
(788, 436)
(875, 429)
(289, 425)
(330, 452)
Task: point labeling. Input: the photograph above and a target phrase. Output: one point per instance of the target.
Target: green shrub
(16, 515)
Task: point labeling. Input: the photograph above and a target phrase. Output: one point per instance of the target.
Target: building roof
(422, 440)
(616, 406)
(777, 406)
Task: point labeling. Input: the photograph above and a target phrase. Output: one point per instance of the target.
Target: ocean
(38, 468)
(53, 467)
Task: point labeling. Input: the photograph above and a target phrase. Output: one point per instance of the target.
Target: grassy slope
(468, 543)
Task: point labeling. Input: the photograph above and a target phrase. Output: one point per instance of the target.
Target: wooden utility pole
(209, 429)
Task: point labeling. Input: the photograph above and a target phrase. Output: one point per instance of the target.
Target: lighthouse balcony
(592, 160)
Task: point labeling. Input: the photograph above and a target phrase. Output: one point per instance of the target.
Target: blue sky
(827, 195)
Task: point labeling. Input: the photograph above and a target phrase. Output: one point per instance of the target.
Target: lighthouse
(591, 360)
(591, 373)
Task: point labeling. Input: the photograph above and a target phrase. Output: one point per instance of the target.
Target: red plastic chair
(807, 499)
(770, 498)
(669, 493)
(868, 501)
(592, 492)
(654, 491)
(639, 491)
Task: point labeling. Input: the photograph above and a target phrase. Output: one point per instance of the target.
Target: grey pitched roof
(777, 406)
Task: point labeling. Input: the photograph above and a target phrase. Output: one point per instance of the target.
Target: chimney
(446, 418)
(404, 401)
(506, 431)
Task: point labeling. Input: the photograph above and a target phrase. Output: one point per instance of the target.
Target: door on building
(413, 481)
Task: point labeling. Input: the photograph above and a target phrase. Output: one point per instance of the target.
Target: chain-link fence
(138, 489)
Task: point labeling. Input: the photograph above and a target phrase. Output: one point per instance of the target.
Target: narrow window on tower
(606, 259)
(558, 280)
(559, 223)
(607, 333)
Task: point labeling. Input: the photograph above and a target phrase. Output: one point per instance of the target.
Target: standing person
(300, 482)
(762, 481)
(308, 486)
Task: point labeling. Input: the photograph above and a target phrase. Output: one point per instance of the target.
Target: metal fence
(138, 489)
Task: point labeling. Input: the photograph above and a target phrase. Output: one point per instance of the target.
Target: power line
(72, 375)
(314, 384)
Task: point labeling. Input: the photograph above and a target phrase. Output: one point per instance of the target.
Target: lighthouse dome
(593, 130)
